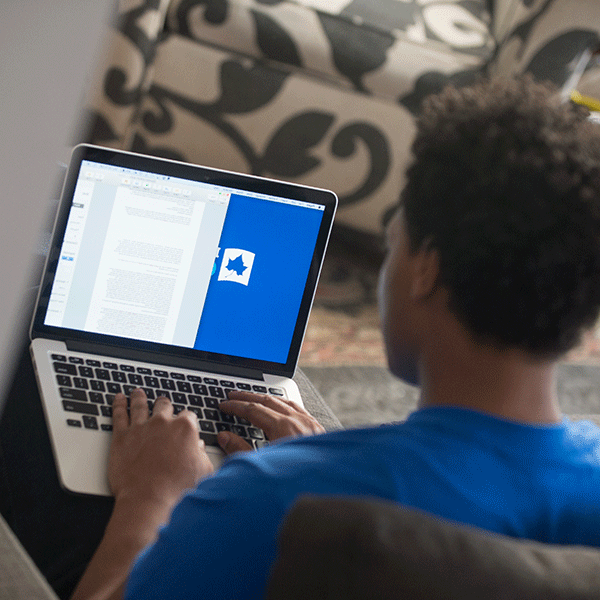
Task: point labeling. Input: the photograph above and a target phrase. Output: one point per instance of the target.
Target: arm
(153, 460)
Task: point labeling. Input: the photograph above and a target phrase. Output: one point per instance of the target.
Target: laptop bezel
(162, 353)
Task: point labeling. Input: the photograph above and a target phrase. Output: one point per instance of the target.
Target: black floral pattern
(366, 66)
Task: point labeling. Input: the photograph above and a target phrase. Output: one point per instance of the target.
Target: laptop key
(86, 372)
(151, 382)
(211, 414)
(65, 369)
(206, 426)
(184, 386)
(72, 394)
(97, 386)
(90, 422)
(80, 407)
(64, 380)
(244, 386)
(167, 384)
(210, 439)
(97, 397)
(216, 392)
(80, 383)
(239, 430)
(73, 423)
(179, 398)
(103, 374)
(196, 400)
(135, 379)
(261, 389)
(211, 402)
(256, 433)
(59, 357)
(200, 389)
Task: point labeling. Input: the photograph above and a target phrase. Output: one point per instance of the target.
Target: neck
(458, 371)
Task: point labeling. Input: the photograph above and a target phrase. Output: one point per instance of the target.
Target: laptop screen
(187, 262)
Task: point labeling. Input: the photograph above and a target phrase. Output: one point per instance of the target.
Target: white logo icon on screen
(236, 265)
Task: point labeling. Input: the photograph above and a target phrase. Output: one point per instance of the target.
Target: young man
(492, 274)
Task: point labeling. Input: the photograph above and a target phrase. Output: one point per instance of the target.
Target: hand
(277, 417)
(154, 458)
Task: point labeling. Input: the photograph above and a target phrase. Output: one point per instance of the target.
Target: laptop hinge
(163, 359)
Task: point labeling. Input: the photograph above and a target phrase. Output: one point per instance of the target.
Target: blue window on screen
(258, 281)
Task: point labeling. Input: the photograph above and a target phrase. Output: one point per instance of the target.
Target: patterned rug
(344, 327)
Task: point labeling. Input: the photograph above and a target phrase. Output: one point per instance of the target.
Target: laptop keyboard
(87, 388)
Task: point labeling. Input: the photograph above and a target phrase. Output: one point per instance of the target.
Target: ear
(425, 271)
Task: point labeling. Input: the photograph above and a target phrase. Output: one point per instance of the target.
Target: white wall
(46, 50)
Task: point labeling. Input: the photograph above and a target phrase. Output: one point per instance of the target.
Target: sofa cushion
(358, 548)
(533, 34)
(376, 47)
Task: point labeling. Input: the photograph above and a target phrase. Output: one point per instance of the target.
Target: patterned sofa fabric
(376, 47)
(322, 92)
(546, 38)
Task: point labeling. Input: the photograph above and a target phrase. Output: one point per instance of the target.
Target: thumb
(230, 443)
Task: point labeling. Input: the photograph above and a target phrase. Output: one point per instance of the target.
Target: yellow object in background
(587, 101)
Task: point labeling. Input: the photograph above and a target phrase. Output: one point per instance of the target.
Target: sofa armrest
(19, 577)
(358, 548)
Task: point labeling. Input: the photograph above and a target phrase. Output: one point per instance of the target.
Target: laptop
(183, 280)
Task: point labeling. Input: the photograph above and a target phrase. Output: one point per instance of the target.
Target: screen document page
(138, 254)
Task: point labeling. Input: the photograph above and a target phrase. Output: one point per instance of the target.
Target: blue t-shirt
(536, 482)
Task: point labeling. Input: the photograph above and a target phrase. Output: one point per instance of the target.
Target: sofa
(318, 91)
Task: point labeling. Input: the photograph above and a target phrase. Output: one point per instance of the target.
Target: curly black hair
(506, 186)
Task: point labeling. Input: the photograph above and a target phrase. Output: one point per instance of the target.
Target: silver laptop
(183, 280)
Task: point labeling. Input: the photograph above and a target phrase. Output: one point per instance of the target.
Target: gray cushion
(351, 548)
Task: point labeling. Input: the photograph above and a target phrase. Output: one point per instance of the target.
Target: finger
(280, 405)
(138, 407)
(230, 443)
(190, 416)
(162, 406)
(120, 417)
(259, 415)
